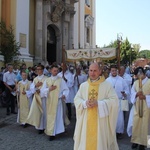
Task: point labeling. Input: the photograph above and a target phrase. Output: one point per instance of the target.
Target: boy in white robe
(25, 96)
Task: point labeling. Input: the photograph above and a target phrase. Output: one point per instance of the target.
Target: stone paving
(15, 137)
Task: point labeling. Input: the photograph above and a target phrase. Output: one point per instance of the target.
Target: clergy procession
(105, 101)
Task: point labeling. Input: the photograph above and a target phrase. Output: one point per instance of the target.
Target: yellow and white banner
(89, 54)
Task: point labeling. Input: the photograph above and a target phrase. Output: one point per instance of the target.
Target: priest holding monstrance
(96, 110)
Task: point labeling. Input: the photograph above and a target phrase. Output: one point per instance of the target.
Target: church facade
(43, 27)
(85, 25)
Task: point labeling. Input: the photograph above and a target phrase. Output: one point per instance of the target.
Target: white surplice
(133, 100)
(29, 96)
(70, 82)
(81, 78)
(119, 85)
(43, 100)
(59, 121)
(128, 80)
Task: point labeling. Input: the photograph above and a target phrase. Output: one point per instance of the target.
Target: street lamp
(119, 39)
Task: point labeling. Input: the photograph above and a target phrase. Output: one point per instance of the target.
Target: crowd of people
(46, 97)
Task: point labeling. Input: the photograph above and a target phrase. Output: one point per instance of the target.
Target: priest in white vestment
(68, 77)
(56, 90)
(122, 91)
(37, 114)
(79, 78)
(127, 78)
(139, 127)
(96, 110)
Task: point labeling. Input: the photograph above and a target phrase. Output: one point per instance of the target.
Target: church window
(88, 35)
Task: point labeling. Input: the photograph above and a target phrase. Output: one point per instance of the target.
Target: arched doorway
(51, 44)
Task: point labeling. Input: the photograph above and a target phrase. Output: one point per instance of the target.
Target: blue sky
(131, 18)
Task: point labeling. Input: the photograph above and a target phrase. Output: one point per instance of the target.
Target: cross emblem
(93, 94)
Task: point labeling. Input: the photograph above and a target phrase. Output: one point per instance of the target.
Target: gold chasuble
(140, 128)
(52, 102)
(23, 102)
(36, 109)
(92, 115)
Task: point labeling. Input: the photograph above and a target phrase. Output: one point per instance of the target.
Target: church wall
(80, 34)
(76, 26)
(82, 24)
(13, 14)
(6, 7)
(22, 29)
(94, 25)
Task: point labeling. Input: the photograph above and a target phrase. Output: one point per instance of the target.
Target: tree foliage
(127, 52)
(9, 48)
(144, 54)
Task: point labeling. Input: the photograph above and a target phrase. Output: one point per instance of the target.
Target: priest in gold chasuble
(96, 110)
(37, 114)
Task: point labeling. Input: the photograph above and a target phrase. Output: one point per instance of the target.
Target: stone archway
(53, 43)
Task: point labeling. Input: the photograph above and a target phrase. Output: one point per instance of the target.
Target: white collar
(114, 77)
(95, 80)
(144, 80)
(54, 77)
(41, 76)
(24, 81)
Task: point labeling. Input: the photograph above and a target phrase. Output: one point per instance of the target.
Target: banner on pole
(90, 54)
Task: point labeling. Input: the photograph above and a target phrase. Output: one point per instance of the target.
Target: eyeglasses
(39, 69)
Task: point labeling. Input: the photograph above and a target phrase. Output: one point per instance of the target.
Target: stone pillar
(46, 19)
(81, 23)
(94, 25)
(71, 32)
(76, 26)
(38, 31)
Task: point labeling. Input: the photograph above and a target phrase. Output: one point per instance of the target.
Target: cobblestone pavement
(15, 137)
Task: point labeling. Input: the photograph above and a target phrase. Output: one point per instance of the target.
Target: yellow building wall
(6, 5)
(8, 15)
(13, 14)
(8, 12)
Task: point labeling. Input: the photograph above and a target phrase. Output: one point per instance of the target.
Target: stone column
(81, 23)
(94, 25)
(76, 26)
(39, 31)
(71, 32)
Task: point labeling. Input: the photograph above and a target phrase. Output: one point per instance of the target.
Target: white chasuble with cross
(95, 127)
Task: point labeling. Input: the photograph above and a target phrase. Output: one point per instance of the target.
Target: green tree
(127, 53)
(9, 48)
(144, 54)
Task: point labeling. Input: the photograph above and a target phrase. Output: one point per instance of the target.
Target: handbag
(124, 105)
